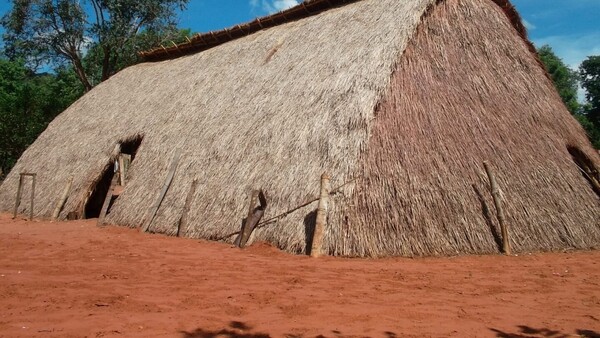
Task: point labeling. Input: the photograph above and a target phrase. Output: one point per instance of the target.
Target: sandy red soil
(72, 279)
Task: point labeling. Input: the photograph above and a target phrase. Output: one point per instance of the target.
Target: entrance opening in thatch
(95, 203)
(96, 200)
(586, 167)
(130, 147)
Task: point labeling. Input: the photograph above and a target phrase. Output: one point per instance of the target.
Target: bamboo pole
(18, 200)
(63, 199)
(321, 222)
(499, 210)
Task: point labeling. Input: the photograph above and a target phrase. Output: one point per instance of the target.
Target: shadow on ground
(530, 332)
(243, 330)
(235, 330)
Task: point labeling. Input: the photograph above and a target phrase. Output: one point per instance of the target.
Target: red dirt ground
(72, 279)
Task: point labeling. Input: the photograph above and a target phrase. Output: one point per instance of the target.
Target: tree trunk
(80, 72)
(106, 64)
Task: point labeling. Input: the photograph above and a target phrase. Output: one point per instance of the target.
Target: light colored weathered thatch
(400, 101)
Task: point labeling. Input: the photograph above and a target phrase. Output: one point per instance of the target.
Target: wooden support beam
(63, 199)
(107, 199)
(124, 162)
(186, 208)
(20, 192)
(499, 210)
(255, 213)
(163, 192)
(18, 200)
(33, 176)
(321, 222)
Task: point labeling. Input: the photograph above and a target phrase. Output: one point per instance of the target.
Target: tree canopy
(58, 32)
(28, 102)
(564, 78)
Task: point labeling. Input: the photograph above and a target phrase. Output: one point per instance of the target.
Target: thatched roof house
(400, 101)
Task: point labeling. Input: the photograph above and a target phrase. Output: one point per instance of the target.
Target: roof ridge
(204, 41)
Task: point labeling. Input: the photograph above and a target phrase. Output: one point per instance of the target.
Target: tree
(145, 40)
(590, 81)
(565, 79)
(60, 31)
(28, 102)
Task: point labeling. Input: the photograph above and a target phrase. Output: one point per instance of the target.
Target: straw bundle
(408, 115)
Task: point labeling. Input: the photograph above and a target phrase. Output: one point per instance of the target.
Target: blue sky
(571, 27)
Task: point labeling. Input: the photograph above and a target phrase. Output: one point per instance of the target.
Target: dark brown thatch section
(463, 94)
(400, 101)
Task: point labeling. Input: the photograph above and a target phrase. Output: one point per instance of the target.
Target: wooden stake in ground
(19, 192)
(18, 200)
(186, 208)
(163, 192)
(63, 199)
(255, 213)
(499, 209)
(321, 222)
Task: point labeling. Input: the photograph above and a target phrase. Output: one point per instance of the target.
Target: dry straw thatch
(400, 101)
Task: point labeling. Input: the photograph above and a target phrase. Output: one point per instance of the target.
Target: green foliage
(58, 32)
(592, 131)
(590, 81)
(146, 40)
(564, 78)
(28, 102)
(589, 72)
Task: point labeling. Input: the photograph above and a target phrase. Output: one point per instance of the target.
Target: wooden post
(253, 200)
(186, 208)
(321, 222)
(18, 200)
(107, 199)
(33, 176)
(63, 199)
(499, 209)
(254, 215)
(163, 192)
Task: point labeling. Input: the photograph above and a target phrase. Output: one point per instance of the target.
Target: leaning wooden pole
(499, 210)
(63, 198)
(186, 208)
(321, 223)
(18, 200)
(174, 163)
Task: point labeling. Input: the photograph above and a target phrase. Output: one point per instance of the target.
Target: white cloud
(572, 49)
(273, 6)
(529, 25)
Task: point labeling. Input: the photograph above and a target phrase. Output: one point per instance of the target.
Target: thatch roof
(401, 117)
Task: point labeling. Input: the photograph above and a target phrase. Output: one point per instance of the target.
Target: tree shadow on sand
(242, 330)
(235, 330)
(529, 332)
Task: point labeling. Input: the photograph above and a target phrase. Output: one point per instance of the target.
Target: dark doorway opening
(586, 167)
(95, 202)
(130, 146)
(96, 199)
